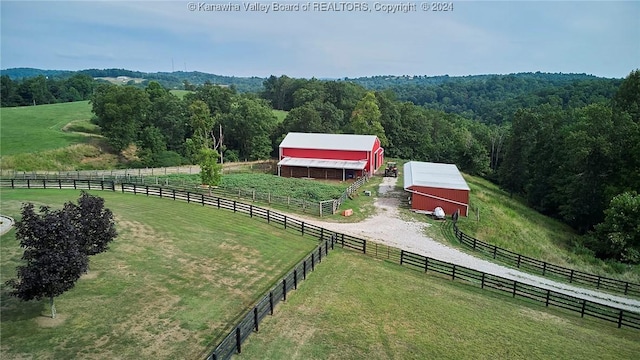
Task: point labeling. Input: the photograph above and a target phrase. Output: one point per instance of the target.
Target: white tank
(438, 213)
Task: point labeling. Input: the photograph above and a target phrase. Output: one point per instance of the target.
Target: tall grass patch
(173, 283)
(509, 223)
(353, 307)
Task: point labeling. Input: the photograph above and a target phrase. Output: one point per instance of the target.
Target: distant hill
(171, 80)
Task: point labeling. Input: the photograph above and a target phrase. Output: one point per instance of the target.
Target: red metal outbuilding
(434, 185)
(329, 156)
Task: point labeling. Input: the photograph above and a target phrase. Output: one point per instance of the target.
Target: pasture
(268, 183)
(31, 129)
(355, 307)
(171, 286)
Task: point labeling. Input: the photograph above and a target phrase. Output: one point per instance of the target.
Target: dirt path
(388, 228)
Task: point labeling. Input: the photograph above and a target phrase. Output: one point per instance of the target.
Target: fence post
(13, 185)
(188, 195)
(218, 203)
(238, 342)
(321, 233)
(174, 194)
(401, 256)
(313, 263)
(268, 217)
(202, 199)
(620, 320)
(271, 302)
(146, 189)
(295, 279)
(304, 269)
(302, 228)
(161, 192)
(44, 183)
(320, 253)
(453, 273)
(134, 188)
(482, 281)
(285, 221)
(495, 249)
(426, 264)
(234, 206)
(584, 303)
(626, 287)
(544, 268)
(284, 289)
(519, 256)
(364, 246)
(255, 318)
(571, 276)
(342, 236)
(546, 303)
(250, 210)
(515, 284)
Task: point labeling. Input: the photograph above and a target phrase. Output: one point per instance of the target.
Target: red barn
(329, 156)
(433, 184)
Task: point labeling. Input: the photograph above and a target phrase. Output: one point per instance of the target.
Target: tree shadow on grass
(14, 309)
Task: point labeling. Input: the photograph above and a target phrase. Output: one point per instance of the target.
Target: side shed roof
(436, 175)
(320, 141)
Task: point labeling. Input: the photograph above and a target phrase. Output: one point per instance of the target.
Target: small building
(434, 185)
(329, 156)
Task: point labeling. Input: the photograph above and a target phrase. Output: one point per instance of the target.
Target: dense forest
(568, 144)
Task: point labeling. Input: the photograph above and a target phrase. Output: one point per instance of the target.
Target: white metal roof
(323, 163)
(437, 175)
(350, 142)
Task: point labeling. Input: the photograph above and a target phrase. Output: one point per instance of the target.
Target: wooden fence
(546, 269)
(240, 332)
(349, 191)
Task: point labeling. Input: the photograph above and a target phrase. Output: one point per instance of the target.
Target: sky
(314, 39)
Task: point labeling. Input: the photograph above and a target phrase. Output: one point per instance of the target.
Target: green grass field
(171, 286)
(354, 307)
(32, 129)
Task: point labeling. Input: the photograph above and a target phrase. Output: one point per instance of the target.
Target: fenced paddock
(546, 269)
(233, 341)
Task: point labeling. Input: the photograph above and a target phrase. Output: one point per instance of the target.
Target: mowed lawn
(171, 286)
(355, 307)
(30, 129)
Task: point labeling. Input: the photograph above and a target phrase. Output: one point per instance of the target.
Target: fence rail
(543, 268)
(232, 342)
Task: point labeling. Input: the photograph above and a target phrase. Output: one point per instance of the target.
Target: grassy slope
(280, 114)
(353, 307)
(32, 129)
(173, 282)
(509, 223)
(48, 137)
(180, 93)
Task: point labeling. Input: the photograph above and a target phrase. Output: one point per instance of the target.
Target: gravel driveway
(388, 228)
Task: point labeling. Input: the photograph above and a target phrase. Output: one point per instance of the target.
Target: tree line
(42, 89)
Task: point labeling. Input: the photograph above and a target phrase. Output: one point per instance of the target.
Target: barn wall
(324, 154)
(420, 202)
